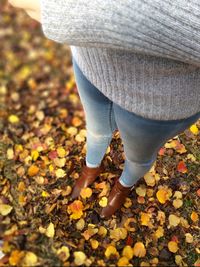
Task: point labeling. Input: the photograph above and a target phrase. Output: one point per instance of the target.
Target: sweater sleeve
(164, 28)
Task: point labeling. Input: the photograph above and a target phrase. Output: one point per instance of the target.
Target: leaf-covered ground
(42, 149)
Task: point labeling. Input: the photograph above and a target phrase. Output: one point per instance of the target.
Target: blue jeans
(142, 138)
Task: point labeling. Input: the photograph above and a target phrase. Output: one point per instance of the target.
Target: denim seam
(110, 118)
(143, 163)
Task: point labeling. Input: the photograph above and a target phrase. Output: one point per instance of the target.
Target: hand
(32, 7)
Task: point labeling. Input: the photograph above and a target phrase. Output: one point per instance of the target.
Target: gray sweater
(144, 55)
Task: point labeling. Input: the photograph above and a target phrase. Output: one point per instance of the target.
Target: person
(137, 70)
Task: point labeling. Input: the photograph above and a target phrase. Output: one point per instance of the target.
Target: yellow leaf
(50, 231)
(145, 218)
(123, 261)
(5, 209)
(102, 231)
(103, 202)
(60, 173)
(194, 216)
(189, 238)
(45, 194)
(111, 250)
(149, 179)
(177, 203)
(94, 243)
(79, 257)
(178, 194)
(118, 233)
(159, 232)
(174, 220)
(86, 192)
(172, 246)
(61, 152)
(30, 259)
(13, 119)
(65, 252)
(128, 252)
(141, 191)
(10, 153)
(194, 129)
(34, 155)
(80, 224)
(162, 195)
(139, 250)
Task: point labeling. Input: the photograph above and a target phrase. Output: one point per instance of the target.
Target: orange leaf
(182, 167)
(33, 170)
(194, 216)
(161, 152)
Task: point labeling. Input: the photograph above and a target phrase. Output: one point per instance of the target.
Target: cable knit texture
(144, 55)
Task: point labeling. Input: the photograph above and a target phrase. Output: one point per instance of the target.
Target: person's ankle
(90, 165)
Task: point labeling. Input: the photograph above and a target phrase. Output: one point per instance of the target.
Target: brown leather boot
(87, 177)
(116, 199)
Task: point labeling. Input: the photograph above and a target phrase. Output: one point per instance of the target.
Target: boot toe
(106, 212)
(75, 193)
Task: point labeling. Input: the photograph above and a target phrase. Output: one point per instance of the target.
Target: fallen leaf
(86, 192)
(189, 238)
(139, 250)
(79, 257)
(111, 250)
(5, 209)
(128, 252)
(50, 231)
(194, 129)
(33, 170)
(118, 233)
(63, 253)
(194, 216)
(181, 167)
(172, 246)
(173, 220)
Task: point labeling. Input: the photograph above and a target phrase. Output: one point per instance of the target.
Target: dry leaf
(189, 238)
(118, 233)
(33, 170)
(64, 251)
(128, 252)
(173, 246)
(149, 179)
(145, 218)
(86, 192)
(139, 250)
(163, 195)
(50, 231)
(123, 261)
(111, 250)
(194, 216)
(194, 129)
(103, 202)
(79, 258)
(5, 209)
(174, 220)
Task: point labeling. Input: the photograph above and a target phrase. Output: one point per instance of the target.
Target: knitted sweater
(143, 55)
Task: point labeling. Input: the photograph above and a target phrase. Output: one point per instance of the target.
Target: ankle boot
(116, 199)
(87, 177)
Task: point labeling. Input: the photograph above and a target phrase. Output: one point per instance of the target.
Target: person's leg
(99, 116)
(142, 138)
